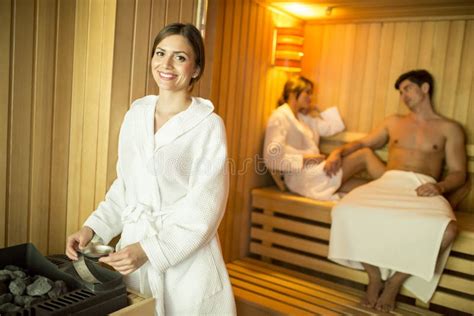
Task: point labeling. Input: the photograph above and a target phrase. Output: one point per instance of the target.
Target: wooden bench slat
(318, 300)
(310, 263)
(301, 305)
(293, 205)
(309, 230)
(252, 297)
(460, 265)
(300, 278)
(290, 242)
(457, 283)
(318, 291)
(453, 301)
(464, 245)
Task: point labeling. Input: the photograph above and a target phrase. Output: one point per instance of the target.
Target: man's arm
(456, 158)
(375, 139)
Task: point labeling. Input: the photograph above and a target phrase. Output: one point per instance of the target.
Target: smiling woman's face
(173, 64)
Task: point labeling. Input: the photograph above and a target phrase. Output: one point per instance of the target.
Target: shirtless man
(421, 142)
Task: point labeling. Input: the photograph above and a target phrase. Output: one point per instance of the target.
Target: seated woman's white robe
(170, 196)
(289, 138)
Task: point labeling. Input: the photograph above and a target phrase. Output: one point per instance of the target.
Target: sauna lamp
(288, 48)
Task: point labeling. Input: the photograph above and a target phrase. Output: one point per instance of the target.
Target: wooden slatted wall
(245, 88)
(68, 71)
(35, 92)
(356, 64)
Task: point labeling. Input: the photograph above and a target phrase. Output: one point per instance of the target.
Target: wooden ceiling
(372, 9)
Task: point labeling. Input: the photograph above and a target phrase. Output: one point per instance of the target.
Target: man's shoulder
(451, 127)
(394, 119)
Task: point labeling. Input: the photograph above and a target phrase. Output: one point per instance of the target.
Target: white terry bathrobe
(170, 195)
(288, 138)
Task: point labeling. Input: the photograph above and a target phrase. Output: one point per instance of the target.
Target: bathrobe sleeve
(277, 153)
(106, 220)
(328, 124)
(194, 222)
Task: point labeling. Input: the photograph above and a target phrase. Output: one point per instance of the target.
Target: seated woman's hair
(296, 84)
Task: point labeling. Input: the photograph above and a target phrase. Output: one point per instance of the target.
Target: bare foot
(386, 301)
(372, 294)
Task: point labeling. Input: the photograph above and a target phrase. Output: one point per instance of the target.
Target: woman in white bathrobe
(292, 145)
(171, 189)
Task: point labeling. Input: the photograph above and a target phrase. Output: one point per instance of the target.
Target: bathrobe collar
(178, 125)
(300, 126)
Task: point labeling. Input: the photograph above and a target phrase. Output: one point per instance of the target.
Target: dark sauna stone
(5, 278)
(5, 298)
(4, 288)
(17, 286)
(25, 300)
(9, 308)
(7, 273)
(39, 287)
(19, 274)
(12, 268)
(58, 289)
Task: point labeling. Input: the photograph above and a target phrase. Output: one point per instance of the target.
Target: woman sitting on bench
(292, 145)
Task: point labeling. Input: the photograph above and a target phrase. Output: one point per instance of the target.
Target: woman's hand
(333, 163)
(126, 260)
(78, 240)
(313, 159)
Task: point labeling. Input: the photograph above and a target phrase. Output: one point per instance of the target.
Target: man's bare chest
(426, 138)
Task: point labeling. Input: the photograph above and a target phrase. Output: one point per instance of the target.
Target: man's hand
(333, 163)
(429, 189)
(313, 159)
(77, 241)
(126, 260)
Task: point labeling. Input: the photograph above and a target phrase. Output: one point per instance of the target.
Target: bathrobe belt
(147, 273)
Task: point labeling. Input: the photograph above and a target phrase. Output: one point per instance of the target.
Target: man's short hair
(419, 77)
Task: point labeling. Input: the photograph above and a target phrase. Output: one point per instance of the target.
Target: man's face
(412, 94)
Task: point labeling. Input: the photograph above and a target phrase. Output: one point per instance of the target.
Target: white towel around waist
(385, 223)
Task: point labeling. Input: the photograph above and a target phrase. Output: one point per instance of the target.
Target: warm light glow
(288, 48)
(301, 10)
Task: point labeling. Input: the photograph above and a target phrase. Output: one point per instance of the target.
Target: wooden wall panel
(5, 48)
(245, 89)
(35, 120)
(61, 125)
(20, 122)
(42, 109)
(380, 52)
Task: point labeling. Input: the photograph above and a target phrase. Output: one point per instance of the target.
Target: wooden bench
(265, 289)
(293, 231)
